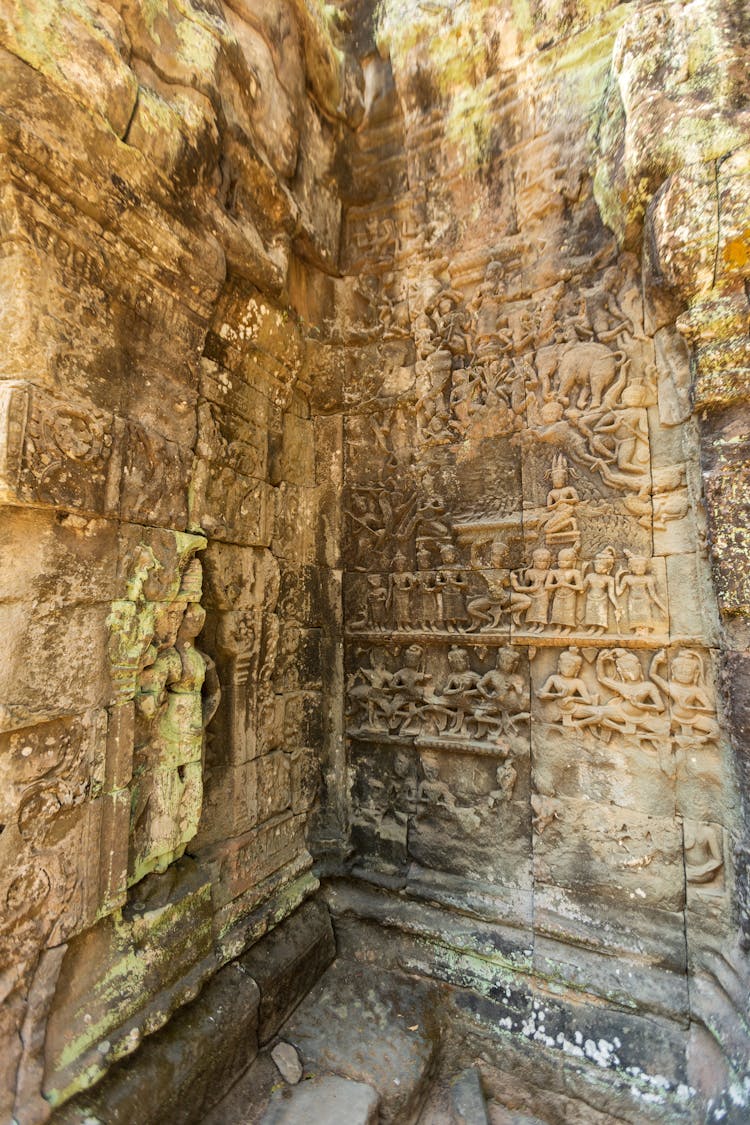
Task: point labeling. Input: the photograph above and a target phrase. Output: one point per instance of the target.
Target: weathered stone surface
(288, 962)
(529, 615)
(337, 1101)
(374, 459)
(467, 1096)
(153, 406)
(183, 1070)
(384, 1035)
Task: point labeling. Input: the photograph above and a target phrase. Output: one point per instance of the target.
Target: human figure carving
(400, 596)
(451, 322)
(491, 333)
(435, 795)
(371, 697)
(704, 859)
(401, 791)
(626, 425)
(465, 396)
(410, 686)
(432, 413)
(639, 588)
(637, 707)
(565, 583)
(562, 501)
(377, 597)
(427, 600)
(599, 593)
(452, 586)
(505, 776)
(692, 713)
(601, 316)
(458, 696)
(486, 611)
(566, 689)
(531, 593)
(503, 694)
(179, 694)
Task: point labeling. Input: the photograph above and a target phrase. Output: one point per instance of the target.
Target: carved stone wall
(373, 468)
(170, 216)
(547, 341)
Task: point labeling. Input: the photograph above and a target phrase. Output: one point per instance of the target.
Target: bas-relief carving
(610, 715)
(54, 453)
(457, 587)
(575, 563)
(52, 805)
(173, 691)
(482, 705)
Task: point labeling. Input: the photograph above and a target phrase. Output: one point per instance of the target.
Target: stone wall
(543, 453)
(373, 477)
(170, 218)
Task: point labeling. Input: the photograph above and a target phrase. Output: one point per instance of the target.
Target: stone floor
(370, 1049)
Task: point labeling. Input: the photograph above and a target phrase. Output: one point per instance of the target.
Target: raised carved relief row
(91, 461)
(558, 595)
(471, 707)
(603, 692)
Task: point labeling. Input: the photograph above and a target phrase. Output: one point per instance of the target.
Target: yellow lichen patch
(737, 251)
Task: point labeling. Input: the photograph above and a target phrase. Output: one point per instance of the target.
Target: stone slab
(467, 1098)
(182, 1071)
(328, 1098)
(288, 962)
(370, 1026)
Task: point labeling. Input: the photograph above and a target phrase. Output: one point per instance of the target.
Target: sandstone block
(329, 1098)
(180, 1072)
(288, 962)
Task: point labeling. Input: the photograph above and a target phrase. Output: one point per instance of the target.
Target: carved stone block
(246, 861)
(229, 506)
(611, 853)
(383, 795)
(274, 785)
(56, 453)
(167, 919)
(154, 476)
(472, 817)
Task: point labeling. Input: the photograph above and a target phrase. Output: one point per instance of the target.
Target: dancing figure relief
(472, 706)
(661, 713)
(693, 718)
(451, 705)
(504, 701)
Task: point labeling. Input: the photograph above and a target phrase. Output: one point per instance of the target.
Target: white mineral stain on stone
(740, 1094)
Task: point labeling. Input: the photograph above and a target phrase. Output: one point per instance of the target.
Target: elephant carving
(585, 371)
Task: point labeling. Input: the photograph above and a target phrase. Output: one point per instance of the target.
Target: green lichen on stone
(462, 49)
(150, 953)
